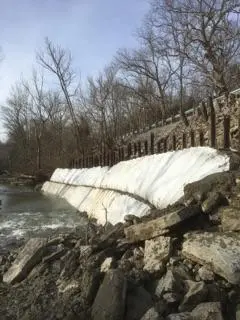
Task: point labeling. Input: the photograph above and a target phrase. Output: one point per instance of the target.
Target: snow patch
(158, 179)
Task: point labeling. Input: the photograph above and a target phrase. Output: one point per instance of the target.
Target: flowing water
(25, 213)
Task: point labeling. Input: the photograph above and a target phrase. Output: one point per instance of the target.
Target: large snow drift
(103, 205)
(158, 179)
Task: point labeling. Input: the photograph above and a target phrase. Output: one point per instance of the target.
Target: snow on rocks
(221, 251)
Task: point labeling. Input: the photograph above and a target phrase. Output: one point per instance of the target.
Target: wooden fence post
(192, 138)
(159, 146)
(184, 140)
(96, 162)
(113, 157)
(203, 109)
(105, 158)
(152, 143)
(174, 142)
(135, 149)
(101, 160)
(212, 129)
(164, 144)
(122, 153)
(146, 147)
(87, 161)
(201, 138)
(139, 148)
(129, 150)
(226, 132)
(119, 155)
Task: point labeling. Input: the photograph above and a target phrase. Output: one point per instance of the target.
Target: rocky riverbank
(182, 262)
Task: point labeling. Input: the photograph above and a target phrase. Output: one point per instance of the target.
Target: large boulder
(31, 254)
(109, 303)
(138, 302)
(160, 226)
(220, 251)
(157, 252)
(221, 182)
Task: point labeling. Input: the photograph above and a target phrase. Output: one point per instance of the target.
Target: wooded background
(187, 50)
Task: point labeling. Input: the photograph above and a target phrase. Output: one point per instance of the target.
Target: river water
(25, 213)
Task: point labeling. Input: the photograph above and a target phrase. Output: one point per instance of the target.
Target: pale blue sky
(92, 29)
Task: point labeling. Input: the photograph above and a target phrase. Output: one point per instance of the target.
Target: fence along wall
(214, 123)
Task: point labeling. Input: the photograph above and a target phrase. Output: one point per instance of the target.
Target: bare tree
(207, 32)
(59, 61)
(150, 61)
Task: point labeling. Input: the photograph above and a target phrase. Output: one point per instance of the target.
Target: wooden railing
(216, 136)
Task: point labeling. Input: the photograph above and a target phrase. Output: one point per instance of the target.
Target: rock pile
(182, 262)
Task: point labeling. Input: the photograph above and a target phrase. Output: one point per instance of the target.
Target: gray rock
(205, 274)
(156, 254)
(171, 297)
(207, 311)
(174, 261)
(216, 293)
(180, 316)
(238, 312)
(168, 283)
(109, 303)
(70, 263)
(54, 256)
(85, 251)
(160, 226)
(107, 264)
(31, 254)
(230, 219)
(196, 293)
(131, 218)
(139, 301)
(90, 282)
(151, 314)
(213, 201)
(182, 272)
(198, 190)
(220, 251)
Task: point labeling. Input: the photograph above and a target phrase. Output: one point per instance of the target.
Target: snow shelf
(158, 179)
(103, 205)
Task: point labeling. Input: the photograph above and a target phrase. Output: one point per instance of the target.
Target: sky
(93, 30)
